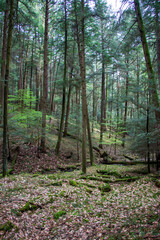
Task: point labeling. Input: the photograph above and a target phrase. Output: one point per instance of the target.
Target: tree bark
(103, 92)
(5, 101)
(157, 27)
(126, 99)
(81, 53)
(67, 110)
(45, 80)
(4, 52)
(64, 87)
(151, 77)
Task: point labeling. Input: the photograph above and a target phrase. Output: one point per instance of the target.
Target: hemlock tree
(64, 86)
(45, 80)
(5, 101)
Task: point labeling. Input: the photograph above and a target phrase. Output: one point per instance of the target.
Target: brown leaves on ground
(129, 211)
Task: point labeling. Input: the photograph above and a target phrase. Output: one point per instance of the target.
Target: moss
(36, 175)
(88, 185)
(108, 172)
(7, 226)
(73, 183)
(88, 189)
(105, 187)
(127, 179)
(52, 177)
(63, 194)
(58, 184)
(29, 206)
(57, 215)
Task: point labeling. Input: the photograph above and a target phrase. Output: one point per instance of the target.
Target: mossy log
(69, 168)
(126, 163)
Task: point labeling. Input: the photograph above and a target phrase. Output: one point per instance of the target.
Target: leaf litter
(128, 211)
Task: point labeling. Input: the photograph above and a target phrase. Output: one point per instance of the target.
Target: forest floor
(67, 205)
(48, 197)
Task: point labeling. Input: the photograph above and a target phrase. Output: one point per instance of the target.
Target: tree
(5, 101)
(149, 67)
(64, 86)
(45, 79)
(4, 51)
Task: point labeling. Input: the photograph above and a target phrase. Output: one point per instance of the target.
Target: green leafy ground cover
(79, 208)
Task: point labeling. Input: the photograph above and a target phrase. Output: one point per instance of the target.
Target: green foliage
(59, 214)
(73, 183)
(24, 121)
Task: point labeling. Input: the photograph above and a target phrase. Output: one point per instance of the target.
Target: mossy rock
(57, 215)
(29, 206)
(7, 226)
(73, 183)
(105, 188)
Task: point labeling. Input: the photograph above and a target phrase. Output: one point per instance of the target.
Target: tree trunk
(64, 88)
(103, 92)
(81, 53)
(137, 70)
(126, 100)
(5, 101)
(157, 27)
(68, 110)
(151, 77)
(4, 52)
(45, 80)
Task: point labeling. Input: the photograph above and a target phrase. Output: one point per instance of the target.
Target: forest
(80, 119)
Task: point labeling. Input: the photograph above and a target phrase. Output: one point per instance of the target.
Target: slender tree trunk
(157, 27)
(4, 52)
(126, 100)
(37, 90)
(90, 140)
(64, 88)
(5, 101)
(67, 111)
(54, 88)
(81, 53)
(151, 77)
(45, 80)
(31, 77)
(103, 95)
(137, 70)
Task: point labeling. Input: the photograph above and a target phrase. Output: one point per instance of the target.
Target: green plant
(57, 215)
(73, 183)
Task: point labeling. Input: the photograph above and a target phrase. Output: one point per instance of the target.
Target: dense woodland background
(81, 69)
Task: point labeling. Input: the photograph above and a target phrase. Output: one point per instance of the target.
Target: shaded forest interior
(79, 120)
(79, 82)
